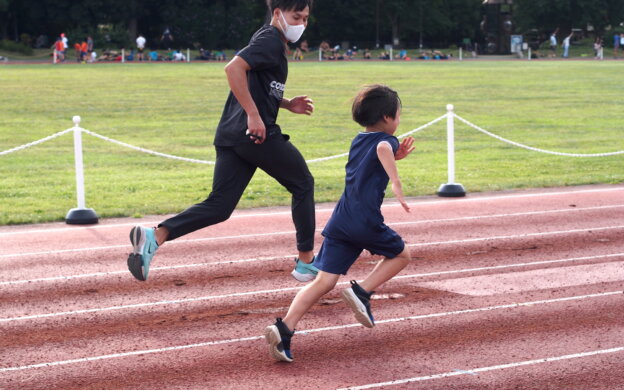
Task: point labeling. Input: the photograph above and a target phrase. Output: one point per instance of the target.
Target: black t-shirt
(266, 55)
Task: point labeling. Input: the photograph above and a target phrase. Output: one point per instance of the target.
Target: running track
(516, 290)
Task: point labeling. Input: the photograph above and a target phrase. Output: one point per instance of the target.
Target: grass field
(571, 106)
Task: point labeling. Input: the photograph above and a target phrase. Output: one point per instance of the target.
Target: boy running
(356, 223)
(248, 138)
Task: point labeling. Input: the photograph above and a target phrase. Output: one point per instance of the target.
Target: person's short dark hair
(373, 103)
(289, 5)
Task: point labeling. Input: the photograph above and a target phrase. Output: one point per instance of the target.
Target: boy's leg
(308, 296)
(385, 270)
(384, 241)
(279, 335)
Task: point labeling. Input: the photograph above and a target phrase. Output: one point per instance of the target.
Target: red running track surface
(515, 290)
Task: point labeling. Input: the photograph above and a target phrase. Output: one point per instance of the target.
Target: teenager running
(248, 138)
(356, 223)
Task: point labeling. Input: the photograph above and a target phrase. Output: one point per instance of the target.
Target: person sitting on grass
(356, 223)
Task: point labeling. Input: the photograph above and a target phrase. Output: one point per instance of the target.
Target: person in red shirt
(77, 49)
(59, 49)
(84, 48)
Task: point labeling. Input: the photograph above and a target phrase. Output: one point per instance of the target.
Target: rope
(400, 136)
(60, 133)
(536, 149)
(147, 150)
(192, 160)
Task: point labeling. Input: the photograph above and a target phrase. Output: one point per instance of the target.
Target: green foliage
(547, 15)
(16, 47)
(218, 24)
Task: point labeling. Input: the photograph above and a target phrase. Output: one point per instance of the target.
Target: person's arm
(298, 105)
(386, 157)
(236, 71)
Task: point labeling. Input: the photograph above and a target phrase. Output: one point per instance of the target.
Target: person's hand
(406, 147)
(398, 192)
(301, 105)
(256, 129)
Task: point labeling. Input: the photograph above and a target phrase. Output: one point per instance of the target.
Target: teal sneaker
(144, 247)
(304, 272)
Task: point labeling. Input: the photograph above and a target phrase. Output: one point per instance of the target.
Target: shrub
(16, 47)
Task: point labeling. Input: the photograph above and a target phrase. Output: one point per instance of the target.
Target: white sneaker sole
(302, 277)
(358, 308)
(137, 239)
(272, 336)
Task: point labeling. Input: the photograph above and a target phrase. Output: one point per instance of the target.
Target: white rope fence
(449, 189)
(139, 149)
(42, 140)
(498, 137)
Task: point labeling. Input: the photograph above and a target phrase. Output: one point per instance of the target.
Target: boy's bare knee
(404, 257)
(325, 281)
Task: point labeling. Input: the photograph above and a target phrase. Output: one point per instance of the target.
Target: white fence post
(54, 57)
(320, 55)
(123, 56)
(188, 55)
(451, 189)
(80, 215)
(461, 54)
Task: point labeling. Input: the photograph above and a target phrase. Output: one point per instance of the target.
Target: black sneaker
(358, 300)
(278, 336)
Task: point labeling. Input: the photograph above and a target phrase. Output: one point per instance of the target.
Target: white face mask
(292, 33)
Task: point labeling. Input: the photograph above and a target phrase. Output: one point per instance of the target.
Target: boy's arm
(386, 157)
(236, 71)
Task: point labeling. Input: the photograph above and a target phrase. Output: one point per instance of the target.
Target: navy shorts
(336, 256)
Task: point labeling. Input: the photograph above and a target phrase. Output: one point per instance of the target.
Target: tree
(547, 15)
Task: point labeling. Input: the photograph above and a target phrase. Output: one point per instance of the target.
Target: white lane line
(486, 369)
(162, 268)
(282, 290)
(290, 232)
(524, 235)
(330, 328)
(282, 257)
(390, 204)
(128, 246)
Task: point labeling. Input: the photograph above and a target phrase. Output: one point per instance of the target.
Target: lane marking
(490, 368)
(282, 257)
(161, 268)
(524, 235)
(532, 280)
(244, 236)
(391, 204)
(317, 330)
(281, 290)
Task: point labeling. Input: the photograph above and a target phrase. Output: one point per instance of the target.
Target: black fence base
(81, 217)
(451, 191)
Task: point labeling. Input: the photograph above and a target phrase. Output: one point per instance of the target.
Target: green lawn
(571, 106)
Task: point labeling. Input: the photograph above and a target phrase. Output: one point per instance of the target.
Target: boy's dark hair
(373, 103)
(289, 5)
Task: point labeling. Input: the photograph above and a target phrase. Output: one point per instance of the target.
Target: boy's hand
(256, 129)
(406, 147)
(301, 105)
(398, 192)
